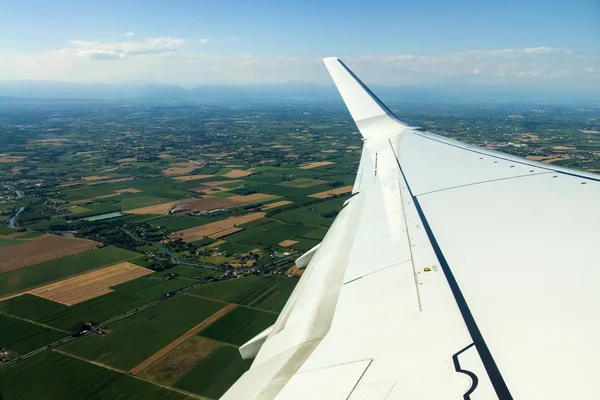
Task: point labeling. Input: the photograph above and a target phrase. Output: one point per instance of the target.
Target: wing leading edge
(453, 272)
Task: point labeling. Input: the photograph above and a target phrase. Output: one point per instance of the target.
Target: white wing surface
(453, 272)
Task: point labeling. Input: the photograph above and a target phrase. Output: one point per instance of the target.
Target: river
(13, 218)
(11, 221)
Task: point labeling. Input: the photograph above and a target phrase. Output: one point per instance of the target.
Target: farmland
(217, 229)
(239, 326)
(134, 339)
(169, 207)
(212, 376)
(90, 285)
(241, 188)
(40, 250)
(50, 271)
(55, 376)
(171, 367)
(268, 293)
(22, 336)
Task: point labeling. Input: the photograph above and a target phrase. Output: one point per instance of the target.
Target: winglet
(372, 117)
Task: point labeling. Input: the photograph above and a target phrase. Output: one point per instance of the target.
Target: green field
(215, 374)
(176, 223)
(136, 338)
(239, 325)
(266, 292)
(53, 376)
(7, 242)
(311, 215)
(302, 183)
(124, 298)
(54, 270)
(172, 366)
(22, 336)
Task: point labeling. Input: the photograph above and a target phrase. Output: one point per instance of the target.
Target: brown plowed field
(179, 170)
(92, 284)
(250, 198)
(186, 178)
(224, 233)
(206, 203)
(127, 190)
(287, 243)
(45, 248)
(215, 229)
(237, 173)
(332, 192)
(162, 209)
(167, 349)
(77, 202)
(276, 204)
(220, 183)
(94, 178)
(315, 164)
(172, 366)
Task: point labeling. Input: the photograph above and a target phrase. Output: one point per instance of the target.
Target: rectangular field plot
(53, 376)
(275, 205)
(332, 192)
(216, 229)
(40, 250)
(311, 215)
(124, 298)
(302, 182)
(134, 339)
(172, 366)
(161, 209)
(50, 271)
(5, 241)
(92, 284)
(22, 336)
(268, 293)
(215, 374)
(239, 326)
(176, 223)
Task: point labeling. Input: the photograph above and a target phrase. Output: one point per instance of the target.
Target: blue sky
(190, 42)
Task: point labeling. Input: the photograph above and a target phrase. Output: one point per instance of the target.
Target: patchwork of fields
(166, 326)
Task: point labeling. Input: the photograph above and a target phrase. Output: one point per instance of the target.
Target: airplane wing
(453, 272)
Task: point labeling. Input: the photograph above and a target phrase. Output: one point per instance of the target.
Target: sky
(399, 42)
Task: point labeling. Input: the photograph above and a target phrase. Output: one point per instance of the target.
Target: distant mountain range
(444, 93)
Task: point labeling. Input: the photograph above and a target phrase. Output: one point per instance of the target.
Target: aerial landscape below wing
(453, 272)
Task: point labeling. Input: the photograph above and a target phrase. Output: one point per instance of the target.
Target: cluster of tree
(330, 214)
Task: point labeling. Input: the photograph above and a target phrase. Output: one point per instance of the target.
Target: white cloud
(122, 50)
(128, 33)
(204, 41)
(235, 38)
(101, 54)
(166, 60)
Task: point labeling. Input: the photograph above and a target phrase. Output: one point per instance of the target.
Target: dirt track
(167, 349)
